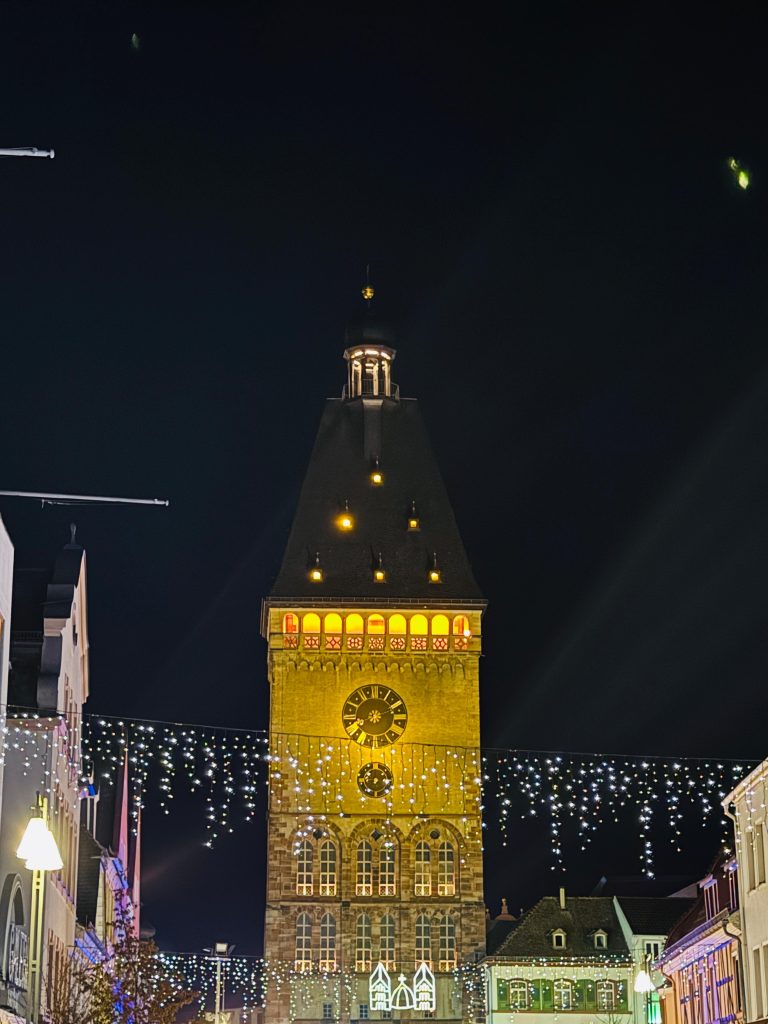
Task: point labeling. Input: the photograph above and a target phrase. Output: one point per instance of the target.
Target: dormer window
(377, 477)
(345, 520)
(600, 939)
(558, 939)
(316, 570)
(413, 518)
(379, 575)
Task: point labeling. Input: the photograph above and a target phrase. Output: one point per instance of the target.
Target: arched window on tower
(290, 623)
(327, 943)
(354, 628)
(419, 627)
(332, 630)
(304, 858)
(446, 870)
(387, 869)
(364, 873)
(303, 943)
(422, 879)
(398, 628)
(377, 627)
(440, 630)
(447, 951)
(461, 633)
(423, 940)
(310, 627)
(387, 953)
(363, 945)
(327, 868)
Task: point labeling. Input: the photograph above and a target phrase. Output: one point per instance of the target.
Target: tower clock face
(375, 779)
(374, 715)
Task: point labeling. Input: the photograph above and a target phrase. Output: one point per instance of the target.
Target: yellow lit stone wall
(314, 793)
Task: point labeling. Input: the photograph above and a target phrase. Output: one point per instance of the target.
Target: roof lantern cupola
(369, 354)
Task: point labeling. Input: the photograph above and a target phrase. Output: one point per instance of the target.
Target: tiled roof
(581, 918)
(653, 915)
(350, 433)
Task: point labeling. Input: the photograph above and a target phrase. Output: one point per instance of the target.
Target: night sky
(578, 287)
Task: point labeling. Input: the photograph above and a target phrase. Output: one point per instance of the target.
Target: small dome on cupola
(369, 354)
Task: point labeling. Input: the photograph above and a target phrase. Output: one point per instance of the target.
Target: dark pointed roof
(351, 434)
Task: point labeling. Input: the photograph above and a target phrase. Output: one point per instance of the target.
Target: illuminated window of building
(733, 885)
(376, 624)
(328, 1011)
(760, 852)
(423, 940)
(354, 623)
(363, 1011)
(439, 625)
(303, 942)
(652, 948)
(606, 995)
(387, 942)
(304, 858)
(387, 868)
(332, 623)
(419, 625)
(447, 945)
(423, 873)
(397, 625)
(327, 942)
(311, 623)
(446, 871)
(558, 939)
(363, 944)
(327, 868)
(653, 1014)
(751, 879)
(600, 939)
(518, 994)
(461, 626)
(711, 906)
(364, 874)
(290, 623)
(563, 994)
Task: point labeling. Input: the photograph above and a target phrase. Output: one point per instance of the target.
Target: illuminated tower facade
(374, 635)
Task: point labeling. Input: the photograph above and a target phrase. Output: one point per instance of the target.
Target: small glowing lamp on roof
(377, 477)
(740, 173)
(434, 572)
(379, 575)
(413, 518)
(345, 520)
(316, 574)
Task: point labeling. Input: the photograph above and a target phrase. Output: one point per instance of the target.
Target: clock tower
(374, 637)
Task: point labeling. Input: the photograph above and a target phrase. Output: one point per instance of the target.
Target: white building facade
(747, 806)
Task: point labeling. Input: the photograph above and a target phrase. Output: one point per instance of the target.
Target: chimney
(562, 897)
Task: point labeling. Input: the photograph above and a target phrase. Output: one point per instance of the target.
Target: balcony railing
(377, 643)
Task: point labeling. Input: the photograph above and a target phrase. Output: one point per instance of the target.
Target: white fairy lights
(315, 778)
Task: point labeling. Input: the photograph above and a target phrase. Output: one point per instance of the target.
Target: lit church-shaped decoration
(402, 995)
(380, 989)
(424, 989)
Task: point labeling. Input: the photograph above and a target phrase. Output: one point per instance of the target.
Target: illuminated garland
(309, 776)
(588, 790)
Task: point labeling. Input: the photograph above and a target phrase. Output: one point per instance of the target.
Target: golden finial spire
(368, 291)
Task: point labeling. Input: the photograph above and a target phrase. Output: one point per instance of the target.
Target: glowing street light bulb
(38, 848)
(643, 982)
(376, 478)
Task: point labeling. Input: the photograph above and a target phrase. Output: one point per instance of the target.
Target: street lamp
(221, 952)
(40, 853)
(27, 151)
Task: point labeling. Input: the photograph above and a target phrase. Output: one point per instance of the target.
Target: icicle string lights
(586, 791)
(309, 775)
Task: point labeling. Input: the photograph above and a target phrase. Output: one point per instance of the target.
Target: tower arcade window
(363, 951)
(398, 629)
(446, 871)
(303, 942)
(423, 940)
(328, 943)
(387, 869)
(290, 623)
(327, 868)
(364, 879)
(422, 879)
(304, 862)
(447, 950)
(419, 632)
(387, 942)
